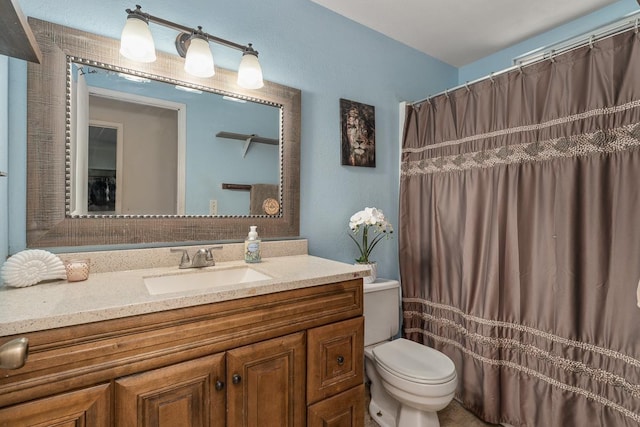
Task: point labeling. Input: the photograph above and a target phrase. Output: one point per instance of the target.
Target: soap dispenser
(252, 246)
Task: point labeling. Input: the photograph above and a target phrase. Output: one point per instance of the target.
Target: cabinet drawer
(344, 409)
(335, 358)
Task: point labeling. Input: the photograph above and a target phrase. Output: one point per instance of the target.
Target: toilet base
(382, 407)
(380, 416)
(395, 406)
(411, 417)
(407, 417)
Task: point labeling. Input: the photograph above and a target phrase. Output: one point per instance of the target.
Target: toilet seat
(415, 362)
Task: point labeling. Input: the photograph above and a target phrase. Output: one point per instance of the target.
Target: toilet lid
(415, 362)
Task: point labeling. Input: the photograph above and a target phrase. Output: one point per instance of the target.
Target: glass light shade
(136, 42)
(250, 72)
(199, 60)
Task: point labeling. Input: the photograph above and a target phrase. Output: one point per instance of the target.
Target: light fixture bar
(136, 43)
(184, 29)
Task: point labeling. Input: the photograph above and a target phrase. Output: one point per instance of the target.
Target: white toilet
(409, 381)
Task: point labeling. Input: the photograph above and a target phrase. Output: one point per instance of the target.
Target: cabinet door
(189, 394)
(335, 358)
(90, 407)
(342, 410)
(266, 383)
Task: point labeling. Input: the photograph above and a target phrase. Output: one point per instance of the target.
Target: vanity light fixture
(131, 78)
(136, 43)
(189, 89)
(234, 99)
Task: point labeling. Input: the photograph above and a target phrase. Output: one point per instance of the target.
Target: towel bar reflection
(241, 187)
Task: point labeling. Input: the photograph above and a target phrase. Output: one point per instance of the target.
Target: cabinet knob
(13, 354)
(236, 379)
(219, 385)
(340, 360)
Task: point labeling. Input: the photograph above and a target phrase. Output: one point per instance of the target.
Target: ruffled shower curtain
(519, 237)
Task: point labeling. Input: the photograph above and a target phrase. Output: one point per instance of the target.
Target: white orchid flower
(369, 217)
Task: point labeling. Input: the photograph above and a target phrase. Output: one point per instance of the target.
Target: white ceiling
(459, 32)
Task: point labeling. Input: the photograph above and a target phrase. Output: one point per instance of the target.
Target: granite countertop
(111, 295)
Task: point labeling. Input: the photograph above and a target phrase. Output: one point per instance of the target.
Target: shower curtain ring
(637, 22)
(446, 93)
(491, 77)
(552, 57)
(591, 39)
(466, 84)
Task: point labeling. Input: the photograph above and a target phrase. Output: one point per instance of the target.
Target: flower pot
(373, 267)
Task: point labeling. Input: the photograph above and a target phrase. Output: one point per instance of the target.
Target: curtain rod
(610, 30)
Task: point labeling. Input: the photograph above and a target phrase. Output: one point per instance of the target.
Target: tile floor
(453, 415)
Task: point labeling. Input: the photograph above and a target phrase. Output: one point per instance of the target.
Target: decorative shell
(32, 266)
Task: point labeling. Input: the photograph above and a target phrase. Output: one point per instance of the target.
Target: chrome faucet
(202, 258)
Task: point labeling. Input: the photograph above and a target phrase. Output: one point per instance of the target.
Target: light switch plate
(213, 207)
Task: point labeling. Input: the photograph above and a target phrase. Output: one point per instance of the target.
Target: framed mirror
(231, 160)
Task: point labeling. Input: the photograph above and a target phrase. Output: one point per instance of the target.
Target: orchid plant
(369, 218)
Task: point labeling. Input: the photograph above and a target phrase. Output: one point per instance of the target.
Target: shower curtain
(519, 237)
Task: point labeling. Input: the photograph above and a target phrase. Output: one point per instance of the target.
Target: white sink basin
(157, 285)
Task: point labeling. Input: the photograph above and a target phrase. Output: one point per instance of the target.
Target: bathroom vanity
(287, 351)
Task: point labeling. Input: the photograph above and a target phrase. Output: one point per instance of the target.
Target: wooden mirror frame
(48, 117)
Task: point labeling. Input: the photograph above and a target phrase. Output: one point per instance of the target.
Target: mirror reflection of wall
(161, 178)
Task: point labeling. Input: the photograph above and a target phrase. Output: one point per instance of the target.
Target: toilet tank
(381, 310)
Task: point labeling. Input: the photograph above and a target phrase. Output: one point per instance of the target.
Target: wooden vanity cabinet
(291, 358)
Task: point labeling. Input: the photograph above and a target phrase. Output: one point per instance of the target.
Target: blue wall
(504, 58)
(4, 155)
(302, 45)
(17, 137)
(213, 160)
